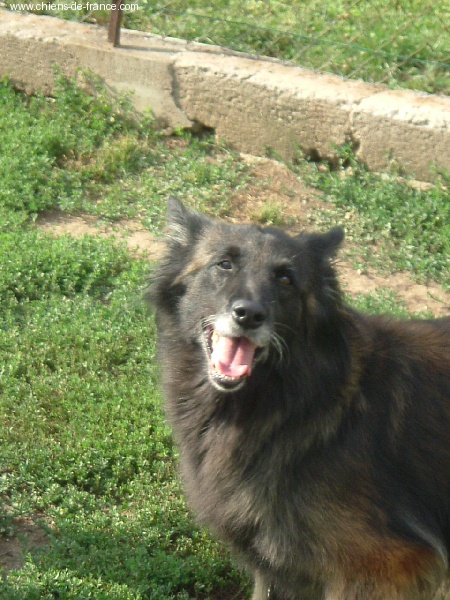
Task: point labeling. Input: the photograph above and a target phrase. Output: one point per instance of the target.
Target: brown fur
(328, 471)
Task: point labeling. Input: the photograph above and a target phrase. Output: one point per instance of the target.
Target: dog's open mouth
(231, 359)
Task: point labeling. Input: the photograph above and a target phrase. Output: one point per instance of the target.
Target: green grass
(191, 168)
(84, 449)
(84, 153)
(53, 147)
(404, 44)
(383, 302)
(409, 227)
(272, 213)
(84, 442)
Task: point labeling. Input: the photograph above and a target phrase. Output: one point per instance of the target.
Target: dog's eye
(225, 264)
(284, 278)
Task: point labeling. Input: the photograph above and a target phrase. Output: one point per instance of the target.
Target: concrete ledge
(254, 104)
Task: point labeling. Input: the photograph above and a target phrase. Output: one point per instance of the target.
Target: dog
(314, 439)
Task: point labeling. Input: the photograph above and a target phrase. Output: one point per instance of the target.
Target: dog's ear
(183, 226)
(326, 245)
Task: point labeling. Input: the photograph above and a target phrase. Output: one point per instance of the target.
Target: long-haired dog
(314, 440)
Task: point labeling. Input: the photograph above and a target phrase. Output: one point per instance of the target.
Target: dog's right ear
(183, 226)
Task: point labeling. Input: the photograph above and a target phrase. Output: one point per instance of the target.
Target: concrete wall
(254, 104)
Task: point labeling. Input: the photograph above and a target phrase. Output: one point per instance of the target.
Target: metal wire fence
(402, 43)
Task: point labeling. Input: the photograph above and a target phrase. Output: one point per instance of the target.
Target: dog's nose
(248, 313)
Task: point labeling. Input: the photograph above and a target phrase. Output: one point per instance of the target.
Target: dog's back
(314, 440)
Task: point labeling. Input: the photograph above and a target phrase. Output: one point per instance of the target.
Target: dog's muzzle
(233, 350)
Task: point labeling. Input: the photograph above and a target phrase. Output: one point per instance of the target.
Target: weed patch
(58, 145)
(35, 266)
(410, 226)
(195, 169)
(84, 438)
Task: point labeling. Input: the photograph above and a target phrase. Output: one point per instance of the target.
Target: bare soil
(28, 536)
(135, 235)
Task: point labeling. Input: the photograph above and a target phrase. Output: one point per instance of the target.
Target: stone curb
(254, 104)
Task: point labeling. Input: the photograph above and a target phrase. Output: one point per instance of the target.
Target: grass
(84, 449)
(410, 226)
(84, 442)
(272, 213)
(60, 144)
(402, 44)
(79, 147)
(383, 301)
(192, 168)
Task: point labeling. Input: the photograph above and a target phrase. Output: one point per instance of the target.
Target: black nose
(248, 313)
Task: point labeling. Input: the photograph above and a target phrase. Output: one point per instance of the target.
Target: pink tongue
(233, 357)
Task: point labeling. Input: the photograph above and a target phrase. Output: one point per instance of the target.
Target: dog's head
(237, 293)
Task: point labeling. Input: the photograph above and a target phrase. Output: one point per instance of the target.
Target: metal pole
(114, 24)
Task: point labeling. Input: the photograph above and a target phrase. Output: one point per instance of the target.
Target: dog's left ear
(326, 245)
(184, 226)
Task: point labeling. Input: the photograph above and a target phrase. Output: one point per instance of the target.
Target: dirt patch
(416, 297)
(274, 186)
(28, 536)
(135, 235)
